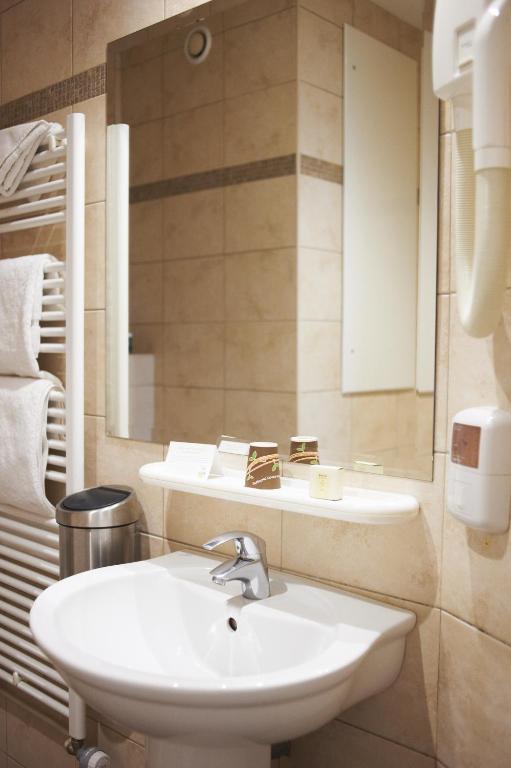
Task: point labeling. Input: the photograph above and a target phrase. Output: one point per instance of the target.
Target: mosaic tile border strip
(65, 93)
(258, 170)
(321, 169)
(273, 168)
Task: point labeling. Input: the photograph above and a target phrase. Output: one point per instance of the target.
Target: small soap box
(326, 482)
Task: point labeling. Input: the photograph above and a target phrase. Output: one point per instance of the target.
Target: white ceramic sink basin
(212, 678)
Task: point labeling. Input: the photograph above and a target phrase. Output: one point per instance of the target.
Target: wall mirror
(272, 251)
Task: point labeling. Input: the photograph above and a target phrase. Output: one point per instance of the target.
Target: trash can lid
(105, 506)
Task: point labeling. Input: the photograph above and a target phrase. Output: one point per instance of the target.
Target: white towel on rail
(18, 146)
(23, 443)
(21, 293)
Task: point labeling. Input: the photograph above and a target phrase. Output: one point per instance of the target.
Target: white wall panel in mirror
(249, 173)
(381, 212)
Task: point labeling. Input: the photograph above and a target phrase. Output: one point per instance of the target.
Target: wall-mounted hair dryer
(472, 68)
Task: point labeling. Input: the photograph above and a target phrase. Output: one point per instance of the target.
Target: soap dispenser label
(465, 445)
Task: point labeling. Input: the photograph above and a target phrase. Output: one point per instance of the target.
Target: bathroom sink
(213, 679)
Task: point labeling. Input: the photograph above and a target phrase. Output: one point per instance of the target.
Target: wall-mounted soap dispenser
(479, 490)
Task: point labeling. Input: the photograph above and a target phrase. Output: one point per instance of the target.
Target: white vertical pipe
(75, 372)
(117, 238)
(77, 716)
(75, 228)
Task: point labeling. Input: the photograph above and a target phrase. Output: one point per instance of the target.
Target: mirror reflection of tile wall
(236, 235)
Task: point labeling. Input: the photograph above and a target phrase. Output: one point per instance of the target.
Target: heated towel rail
(52, 192)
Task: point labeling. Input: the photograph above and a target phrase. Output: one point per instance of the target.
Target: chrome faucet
(250, 566)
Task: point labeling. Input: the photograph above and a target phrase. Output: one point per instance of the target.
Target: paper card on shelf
(233, 445)
(193, 460)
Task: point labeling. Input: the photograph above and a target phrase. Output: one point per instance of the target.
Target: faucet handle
(248, 545)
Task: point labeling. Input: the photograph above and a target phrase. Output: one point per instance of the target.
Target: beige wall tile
(146, 231)
(272, 219)
(112, 460)
(479, 369)
(147, 411)
(94, 426)
(260, 356)
(173, 7)
(122, 751)
(319, 285)
(407, 418)
(476, 577)
(145, 44)
(50, 239)
(238, 12)
(320, 123)
(150, 546)
(120, 729)
(327, 415)
(377, 22)
(146, 293)
(36, 46)
(96, 23)
(400, 560)
(474, 698)
(407, 711)
(194, 355)
(338, 11)
(375, 422)
(193, 290)
(194, 415)
(193, 141)
(260, 54)
(95, 256)
(95, 363)
(444, 214)
(142, 91)
(410, 40)
(424, 423)
(427, 18)
(260, 125)
(146, 152)
(95, 147)
(261, 285)
(355, 748)
(261, 416)
(319, 356)
(147, 339)
(5, 4)
(194, 224)
(442, 373)
(30, 735)
(320, 52)
(187, 86)
(195, 519)
(3, 725)
(320, 214)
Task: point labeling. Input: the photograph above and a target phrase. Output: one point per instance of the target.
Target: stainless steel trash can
(97, 527)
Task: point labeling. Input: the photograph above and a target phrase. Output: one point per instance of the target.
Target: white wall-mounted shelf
(358, 505)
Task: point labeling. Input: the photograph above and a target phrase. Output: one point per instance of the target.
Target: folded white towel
(18, 146)
(21, 292)
(24, 450)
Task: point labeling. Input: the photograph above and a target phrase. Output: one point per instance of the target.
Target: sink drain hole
(232, 624)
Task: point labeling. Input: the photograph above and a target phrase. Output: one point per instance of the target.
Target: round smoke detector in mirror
(198, 44)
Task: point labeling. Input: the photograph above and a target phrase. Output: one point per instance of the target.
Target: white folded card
(192, 460)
